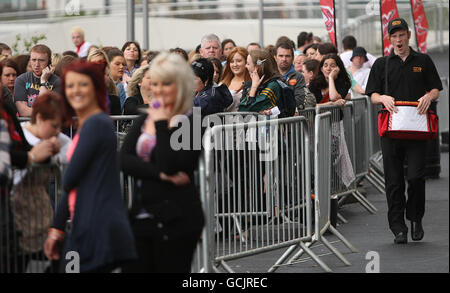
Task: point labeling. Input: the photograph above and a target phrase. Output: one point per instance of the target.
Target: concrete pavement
(370, 233)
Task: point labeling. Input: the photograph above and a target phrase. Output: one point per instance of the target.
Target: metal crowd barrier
(255, 184)
(261, 170)
(442, 109)
(322, 183)
(376, 172)
(27, 207)
(344, 152)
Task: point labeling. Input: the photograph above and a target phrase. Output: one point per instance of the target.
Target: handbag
(407, 123)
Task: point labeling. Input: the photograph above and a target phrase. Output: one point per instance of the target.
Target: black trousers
(395, 152)
(161, 256)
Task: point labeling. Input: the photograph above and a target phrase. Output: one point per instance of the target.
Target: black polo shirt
(407, 81)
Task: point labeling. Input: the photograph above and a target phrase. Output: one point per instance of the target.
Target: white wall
(165, 33)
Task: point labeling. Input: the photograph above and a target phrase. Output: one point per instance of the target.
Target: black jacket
(213, 99)
(114, 105)
(178, 208)
(133, 104)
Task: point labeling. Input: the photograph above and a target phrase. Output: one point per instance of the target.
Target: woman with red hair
(99, 231)
(235, 74)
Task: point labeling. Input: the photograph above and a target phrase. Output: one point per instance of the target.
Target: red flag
(420, 24)
(388, 12)
(327, 7)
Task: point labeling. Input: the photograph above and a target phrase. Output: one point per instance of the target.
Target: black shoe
(401, 238)
(417, 231)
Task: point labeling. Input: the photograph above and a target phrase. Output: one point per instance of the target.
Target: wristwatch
(46, 84)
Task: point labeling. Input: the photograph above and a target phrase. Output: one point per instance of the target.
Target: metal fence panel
(26, 212)
(261, 186)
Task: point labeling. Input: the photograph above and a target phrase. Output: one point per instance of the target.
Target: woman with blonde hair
(235, 74)
(56, 58)
(167, 216)
(99, 56)
(194, 57)
(139, 91)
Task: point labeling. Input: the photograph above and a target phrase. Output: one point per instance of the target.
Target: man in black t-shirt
(30, 85)
(411, 76)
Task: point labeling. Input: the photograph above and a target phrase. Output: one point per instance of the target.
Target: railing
(347, 148)
(322, 172)
(268, 206)
(256, 183)
(26, 211)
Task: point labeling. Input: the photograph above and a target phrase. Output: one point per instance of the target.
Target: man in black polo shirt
(411, 76)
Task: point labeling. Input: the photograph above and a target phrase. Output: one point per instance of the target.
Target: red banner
(420, 24)
(327, 7)
(388, 11)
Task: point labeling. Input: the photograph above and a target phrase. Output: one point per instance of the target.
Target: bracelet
(32, 157)
(55, 234)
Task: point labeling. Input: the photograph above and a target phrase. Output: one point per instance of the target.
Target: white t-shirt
(83, 51)
(345, 57)
(33, 140)
(362, 76)
(237, 95)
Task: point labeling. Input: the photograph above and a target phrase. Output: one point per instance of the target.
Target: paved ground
(369, 232)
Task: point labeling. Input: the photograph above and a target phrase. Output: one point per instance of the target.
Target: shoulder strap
(386, 89)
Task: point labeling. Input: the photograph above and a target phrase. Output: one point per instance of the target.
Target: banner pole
(382, 30)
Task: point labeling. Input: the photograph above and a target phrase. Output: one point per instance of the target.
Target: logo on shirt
(292, 82)
(417, 69)
(31, 99)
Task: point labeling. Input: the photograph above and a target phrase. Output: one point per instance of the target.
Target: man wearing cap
(411, 76)
(357, 69)
(348, 44)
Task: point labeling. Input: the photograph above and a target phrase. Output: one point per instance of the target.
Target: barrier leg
(334, 250)
(342, 238)
(226, 267)
(340, 217)
(364, 202)
(285, 255)
(299, 253)
(315, 257)
(375, 183)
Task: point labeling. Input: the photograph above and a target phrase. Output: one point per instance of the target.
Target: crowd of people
(92, 82)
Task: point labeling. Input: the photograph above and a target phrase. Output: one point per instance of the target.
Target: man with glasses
(30, 85)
